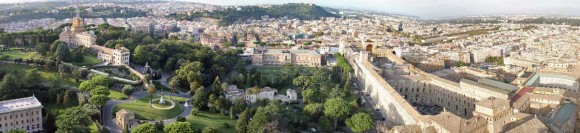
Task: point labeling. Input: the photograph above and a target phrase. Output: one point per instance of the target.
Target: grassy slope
(216, 121)
(116, 95)
(88, 60)
(47, 76)
(19, 54)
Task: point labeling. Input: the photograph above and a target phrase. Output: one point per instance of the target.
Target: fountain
(161, 101)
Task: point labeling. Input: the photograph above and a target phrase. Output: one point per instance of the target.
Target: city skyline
(424, 8)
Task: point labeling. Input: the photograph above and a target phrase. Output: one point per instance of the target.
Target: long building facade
(21, 114)
(398, 90)
(278, 57)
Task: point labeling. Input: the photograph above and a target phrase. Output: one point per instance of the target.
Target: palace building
(76, 36)
(278, 57)
(21, 114)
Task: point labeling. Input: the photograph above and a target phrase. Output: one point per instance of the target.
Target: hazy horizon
(426, 8)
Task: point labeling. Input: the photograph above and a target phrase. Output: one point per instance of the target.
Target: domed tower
(77, 23)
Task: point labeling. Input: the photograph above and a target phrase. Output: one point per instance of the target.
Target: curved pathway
(164, 108)
(110, 122)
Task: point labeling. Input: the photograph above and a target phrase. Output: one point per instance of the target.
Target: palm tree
(172, 84)
(151, 91)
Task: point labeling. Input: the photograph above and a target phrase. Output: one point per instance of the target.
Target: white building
(251, 96)
(23, 113)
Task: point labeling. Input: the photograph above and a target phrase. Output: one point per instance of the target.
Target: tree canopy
(73, 120)
(179, 127)
(360, 122)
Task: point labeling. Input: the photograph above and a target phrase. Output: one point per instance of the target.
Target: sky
(428, 8)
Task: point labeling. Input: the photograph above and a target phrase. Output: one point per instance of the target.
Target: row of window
(21, 115)
(21, 122)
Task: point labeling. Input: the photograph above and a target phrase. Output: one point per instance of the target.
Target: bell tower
(77, 22)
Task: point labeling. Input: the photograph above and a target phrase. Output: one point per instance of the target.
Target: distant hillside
(230, 15)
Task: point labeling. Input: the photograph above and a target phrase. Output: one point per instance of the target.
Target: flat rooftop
(19, 104)
(533, 79)
(566, 110)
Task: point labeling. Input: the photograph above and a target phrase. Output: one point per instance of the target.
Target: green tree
(325, 124)
(43, 49)
(31, 79)
(100, 90)
(336, 109)
(66, 100)
(62, 53)
(173, 84)
(216, 86)
(313, 109)
(80, 73)
(102, 80)
(193, 87)
(73, 120)
(145, 128)
(242, 123)
(360, 122)
(151, 90)
(10, 88)
(232, 113)
(309, 96)
(199, 100)
(263, 116)
(99, 100)
(302, 81)
(128, 90)
(179, 127)
(213, 100)
(87, 85)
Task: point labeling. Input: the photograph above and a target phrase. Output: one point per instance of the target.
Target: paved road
(163, 79)
(109, 121)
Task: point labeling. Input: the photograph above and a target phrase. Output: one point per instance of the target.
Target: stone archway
(369, 48)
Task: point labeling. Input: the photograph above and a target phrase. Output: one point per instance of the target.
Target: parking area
(424, 109)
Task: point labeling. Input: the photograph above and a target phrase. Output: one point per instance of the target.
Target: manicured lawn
(20, 54)
(116, 95)
(47, 76)
(143, 111)
(215, 120)
(88, 60)
(174, 98)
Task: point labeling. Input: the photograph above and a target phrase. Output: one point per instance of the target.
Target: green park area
(117, 95)
(18, 53)
(88, 60)
(145, 112)
(46, 75)
(215, 120)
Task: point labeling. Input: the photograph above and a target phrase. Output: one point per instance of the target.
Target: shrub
(181, 119)
(128, 90)
(194, 111)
